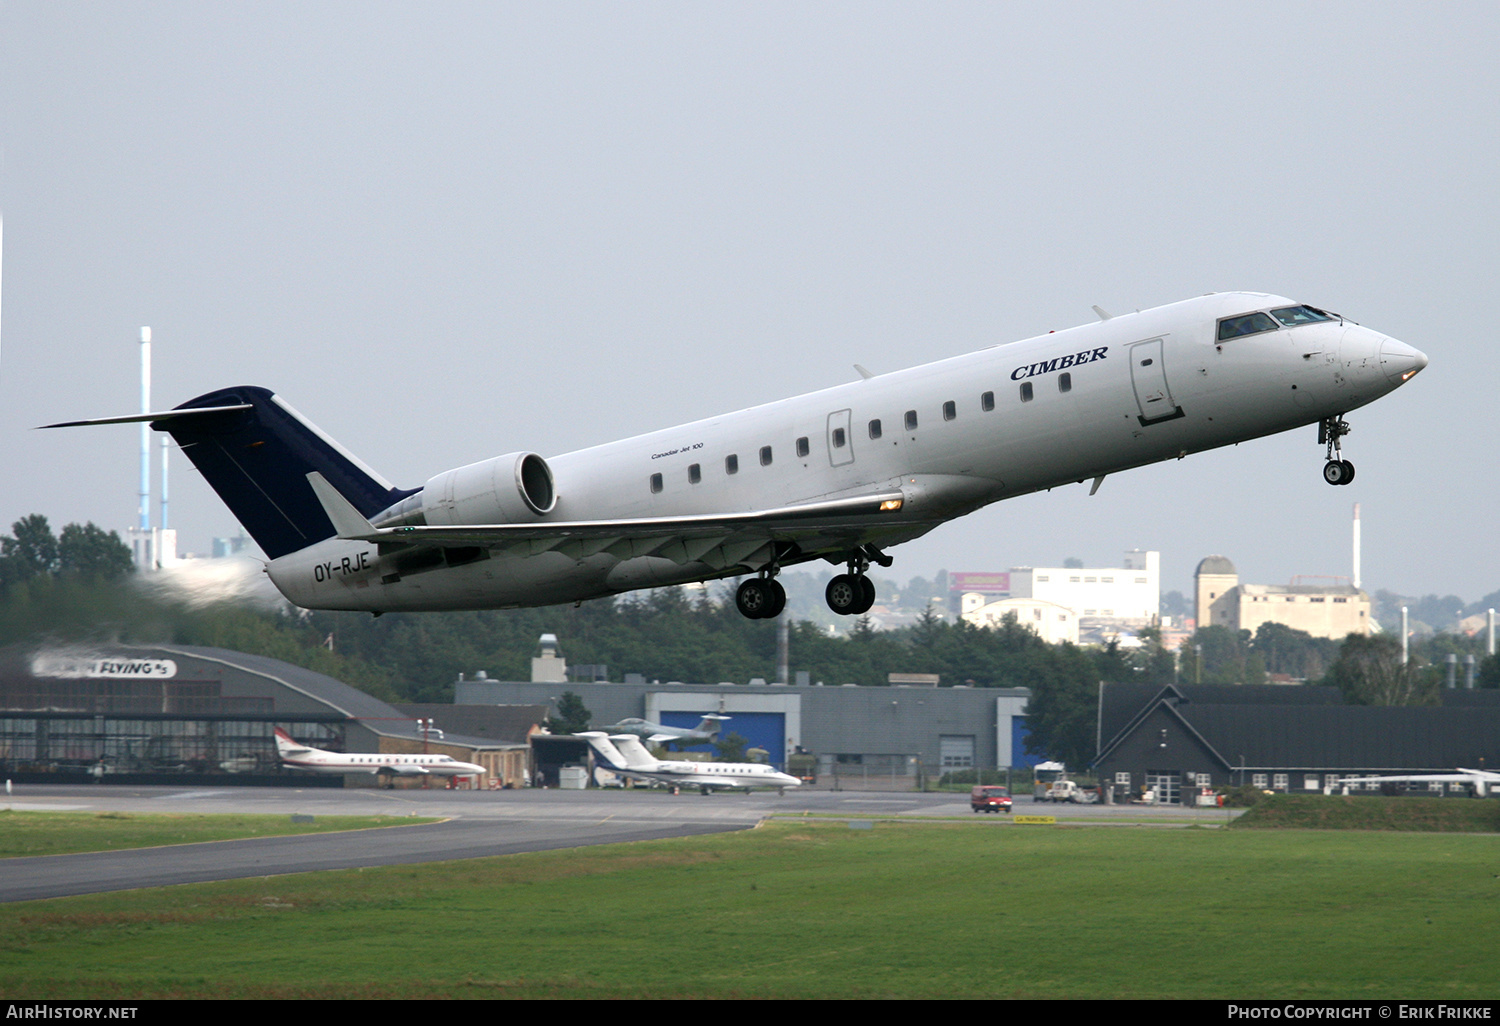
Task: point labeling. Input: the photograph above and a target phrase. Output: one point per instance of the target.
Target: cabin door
(1148, 373)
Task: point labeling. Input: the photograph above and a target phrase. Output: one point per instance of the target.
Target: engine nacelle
(509, 489)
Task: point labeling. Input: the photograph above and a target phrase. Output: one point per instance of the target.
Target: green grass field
(1371, 812)
(60, 833)
(813, 909)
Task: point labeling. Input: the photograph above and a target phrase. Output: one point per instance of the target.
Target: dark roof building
(1176, 739)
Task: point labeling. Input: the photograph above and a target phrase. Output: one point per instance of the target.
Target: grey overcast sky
(445, 231)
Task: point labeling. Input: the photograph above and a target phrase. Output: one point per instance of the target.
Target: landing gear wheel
(844, 594)
(778, 599)
(867, 595)
(759, 598)
(751, 598)
(1338, 472)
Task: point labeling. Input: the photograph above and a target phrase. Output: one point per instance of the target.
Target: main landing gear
(1337, 471)
(848, 594)
(852, 594)
(760, 598)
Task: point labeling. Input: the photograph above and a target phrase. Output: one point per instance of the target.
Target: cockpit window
(1245, 324)
(1294, 315)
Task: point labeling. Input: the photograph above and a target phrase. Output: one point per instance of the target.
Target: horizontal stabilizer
(137, 418)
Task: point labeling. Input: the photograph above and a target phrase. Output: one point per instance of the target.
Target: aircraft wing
(719, 539)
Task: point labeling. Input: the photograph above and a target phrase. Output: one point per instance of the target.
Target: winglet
(863, 373)
(1102, 315)
(346, 520)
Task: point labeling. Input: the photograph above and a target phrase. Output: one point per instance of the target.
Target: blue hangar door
(761, 729)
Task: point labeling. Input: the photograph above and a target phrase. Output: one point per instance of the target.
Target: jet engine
(509, 489)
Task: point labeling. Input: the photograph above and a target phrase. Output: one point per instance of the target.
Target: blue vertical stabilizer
(258, 460)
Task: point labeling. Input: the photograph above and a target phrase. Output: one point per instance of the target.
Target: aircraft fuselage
(949, 437)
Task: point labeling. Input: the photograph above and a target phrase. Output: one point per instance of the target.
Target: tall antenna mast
(144, 508)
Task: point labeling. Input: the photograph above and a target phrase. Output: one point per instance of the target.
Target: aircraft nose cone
(1400, 361)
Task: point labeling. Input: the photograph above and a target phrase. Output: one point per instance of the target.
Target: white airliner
(317, 760)
(624, 754)
(840, 475)
(1481, 781)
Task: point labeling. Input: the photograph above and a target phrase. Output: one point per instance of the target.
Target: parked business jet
(317, 760)
(1479, 781)
(705, 733)
(624, 754)
(840, 475)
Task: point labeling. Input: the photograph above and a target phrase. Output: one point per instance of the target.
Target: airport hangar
(175, 714)
(892, 735)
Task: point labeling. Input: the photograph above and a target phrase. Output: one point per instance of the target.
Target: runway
(476, 824)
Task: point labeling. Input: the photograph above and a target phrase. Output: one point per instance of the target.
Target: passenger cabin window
(840, 438)
(1026, 392)
(1245, 324)
(911, 420)
(1292, 316)
(1065, 382)
(987, 402)
(695, 474)
(950, 410)
(765, 455)
(655, 483)
(731, 464)
(874, 429)
(802, 447)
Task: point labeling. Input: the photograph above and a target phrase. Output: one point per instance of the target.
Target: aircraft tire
(777, 602)
(867, 595)
(844, 594)
(753, 598)
(1338, 472)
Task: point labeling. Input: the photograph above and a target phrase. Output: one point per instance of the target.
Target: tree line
(79, 586)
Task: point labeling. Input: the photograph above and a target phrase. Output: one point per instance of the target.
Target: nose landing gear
(1337, 471)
